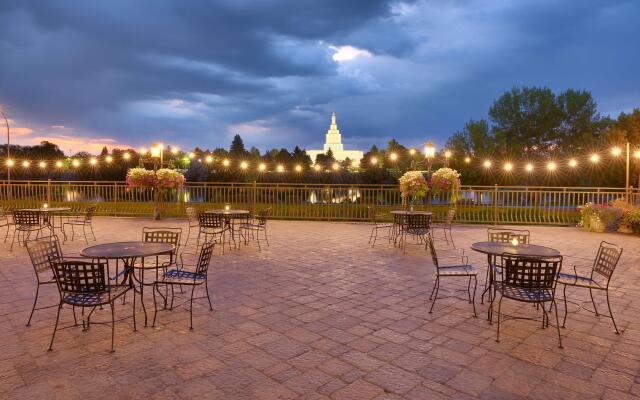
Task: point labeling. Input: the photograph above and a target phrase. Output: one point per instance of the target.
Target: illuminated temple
(333, 142)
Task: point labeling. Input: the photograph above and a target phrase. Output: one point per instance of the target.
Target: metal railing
(333, 202)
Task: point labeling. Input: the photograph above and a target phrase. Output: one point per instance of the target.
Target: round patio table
(129, 252)
(399, 217)
(496, 249)
(52, 211)
(230, 216)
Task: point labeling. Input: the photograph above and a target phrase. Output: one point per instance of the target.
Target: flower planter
(595, 224)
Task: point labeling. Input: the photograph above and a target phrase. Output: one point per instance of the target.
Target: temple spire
(333, 118)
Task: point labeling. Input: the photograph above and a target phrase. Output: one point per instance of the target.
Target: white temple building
(333, 141)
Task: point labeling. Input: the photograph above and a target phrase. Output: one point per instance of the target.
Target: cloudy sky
(88, 73)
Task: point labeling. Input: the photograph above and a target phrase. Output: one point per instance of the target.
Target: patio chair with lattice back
(446, 227)
(419, 226)
(376, 225)
(26, 222)
(528, 280)
(83, 221)
(214, 225)
(256, 225)
(459, 269)
(43, 253)
(191, 275)
(501, 236)
(192, 217)
(6, 222)
(602, 269)
(164, 235)
(86, 284)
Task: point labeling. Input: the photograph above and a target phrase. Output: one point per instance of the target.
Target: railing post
(255, 196)
(495, 204)
(49, 191)
(115, 199)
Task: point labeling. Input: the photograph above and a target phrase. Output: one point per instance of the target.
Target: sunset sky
(84, 74)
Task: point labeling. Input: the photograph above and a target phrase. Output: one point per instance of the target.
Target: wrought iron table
(129, 252)
(230, 217)
(50, 213)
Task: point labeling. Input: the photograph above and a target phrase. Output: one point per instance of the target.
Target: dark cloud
(194, 72)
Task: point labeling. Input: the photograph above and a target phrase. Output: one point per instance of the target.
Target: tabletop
(229, 212)
(522, 249)
(48, 209)
(407, 212)
(126, 250)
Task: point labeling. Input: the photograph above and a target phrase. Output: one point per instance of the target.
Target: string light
(143, 151)
(594, 158)
(298, 168)
(192, 155)
(280, 168)
(335, 166)
(393, 156)
(59, 164)
(551, 166)
(226, 162)
(109, 159)
(317, 167)
(174, 150)
(244, 165)
(467, 160)
(447, 153)
(26, 164)
(616, 151)
(636, 154)
(93, 161)
(487, 164)
(43, 164)
(126, 156)
(412, 151)
(10, 163)
(508, 167)
(75, 163)
(208, 159)
(262, 167)
(374, 160)
(573, 163)
(528, 167)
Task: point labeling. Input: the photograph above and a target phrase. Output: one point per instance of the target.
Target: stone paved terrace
(321, 315)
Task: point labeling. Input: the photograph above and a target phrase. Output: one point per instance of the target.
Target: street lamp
(6, 121)
(429, 154)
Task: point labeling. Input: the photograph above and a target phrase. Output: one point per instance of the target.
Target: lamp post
(6, 120)
(429, 154)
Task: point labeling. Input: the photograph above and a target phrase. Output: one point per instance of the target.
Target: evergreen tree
(237, 150)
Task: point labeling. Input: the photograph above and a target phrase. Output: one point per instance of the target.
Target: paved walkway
(317, 315)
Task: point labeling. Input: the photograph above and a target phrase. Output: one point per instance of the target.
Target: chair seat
(383, 226)
(178, 276)
(252, 226)
(577, 280)
(95, 298)
(417, 231)
(523, 294)
(457, 270)
(76, 222)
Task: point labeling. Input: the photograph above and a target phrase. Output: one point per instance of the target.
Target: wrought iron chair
(83, 220)
(377, 225)
(461, 269)
(86, 284)
(601, 271)
(417, 225)
(164, 235)
(528, 280)
(257, 225)
(5, 222)
(446, 226)
(183, 277)
(215, 225)
(192, 216)
(26, 222)
(501, 236)
(43, 253)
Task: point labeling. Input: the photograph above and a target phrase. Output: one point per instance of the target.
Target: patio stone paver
(321, 315)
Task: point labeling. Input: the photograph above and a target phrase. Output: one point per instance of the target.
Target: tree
(237, 150)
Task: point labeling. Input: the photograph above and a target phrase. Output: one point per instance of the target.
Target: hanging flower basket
(160, 181)
(446, 181)
(413, 187)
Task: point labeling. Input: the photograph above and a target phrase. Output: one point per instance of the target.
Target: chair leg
(557, 323)
(92, 234)
(84, 233)
(265, 235)
(55, 327)
(566, 307)
(155, 305)
(206, 287)
(473, 299)
(35, 302)
(437, 287)
(499, 308)
(191, 308)
(593, 302)
(14, 238)
(371, 234)
(611, 314)
(113, 326)
(469, 289)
